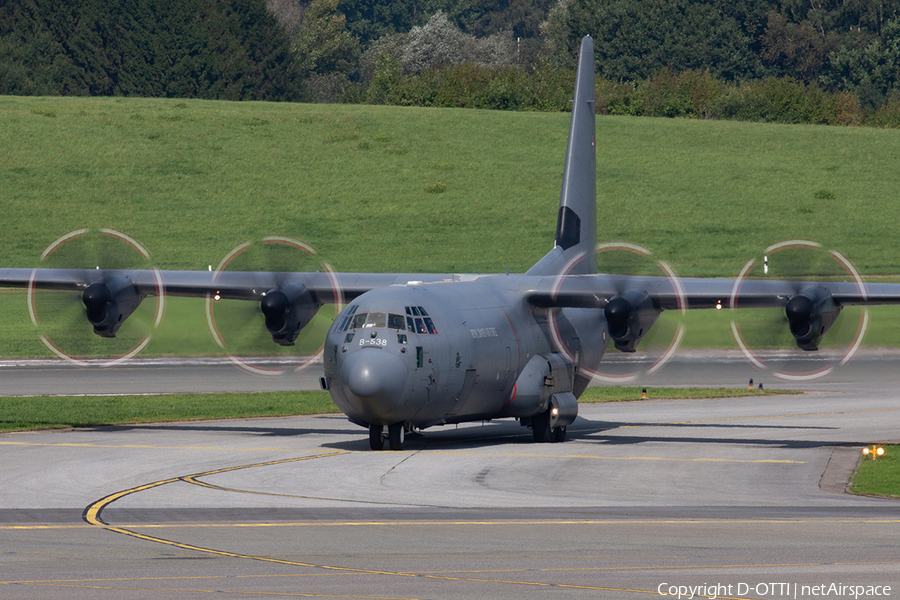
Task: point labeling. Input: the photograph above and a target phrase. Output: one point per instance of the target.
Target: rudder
(576, 227)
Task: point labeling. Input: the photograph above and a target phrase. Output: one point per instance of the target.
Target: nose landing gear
(394, 433)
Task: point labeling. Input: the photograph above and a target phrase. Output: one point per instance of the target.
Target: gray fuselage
(433, 353)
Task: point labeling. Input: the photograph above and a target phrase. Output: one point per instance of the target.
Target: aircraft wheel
(543, 433)
(376, 439)
(540, 427)
(559, 434)
(396, 436)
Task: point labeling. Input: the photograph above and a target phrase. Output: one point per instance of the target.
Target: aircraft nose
(378, 378)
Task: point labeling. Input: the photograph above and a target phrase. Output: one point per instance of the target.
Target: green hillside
(192, 179)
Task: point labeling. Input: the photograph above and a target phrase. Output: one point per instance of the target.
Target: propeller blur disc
(659, 345)
(63, 318)
(765, 332)
(239, 326)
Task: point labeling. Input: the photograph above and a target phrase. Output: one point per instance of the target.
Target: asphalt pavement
(644, 497)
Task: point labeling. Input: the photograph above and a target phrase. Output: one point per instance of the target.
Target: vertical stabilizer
(576, 226)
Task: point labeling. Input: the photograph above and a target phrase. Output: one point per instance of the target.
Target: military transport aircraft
(410, 351)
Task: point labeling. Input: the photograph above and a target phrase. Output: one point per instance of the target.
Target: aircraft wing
(287, 300)
(326, 287)
(632, 304)
(596, 291)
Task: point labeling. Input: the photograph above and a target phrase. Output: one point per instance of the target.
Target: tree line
(225, 49)
(839, 45)
(780, 60)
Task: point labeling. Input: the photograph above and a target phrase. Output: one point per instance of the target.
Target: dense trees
(370, 20)
(840, 45)
(632, 42)
(494, 53)
(796, 38)
(228, 49)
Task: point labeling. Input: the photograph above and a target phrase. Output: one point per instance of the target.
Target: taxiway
(643, 495)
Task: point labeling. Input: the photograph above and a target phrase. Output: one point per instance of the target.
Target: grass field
(192, 179)
(53, 412)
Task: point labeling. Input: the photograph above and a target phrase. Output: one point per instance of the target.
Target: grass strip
(26, 413)
(598, 395)
(51, 412)
(880, 477)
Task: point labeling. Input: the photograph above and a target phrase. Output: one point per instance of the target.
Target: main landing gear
(394, 433)
(543, 432)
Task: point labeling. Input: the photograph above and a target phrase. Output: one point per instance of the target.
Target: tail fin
(576, 227)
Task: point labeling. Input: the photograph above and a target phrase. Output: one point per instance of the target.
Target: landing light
(554, 411)
(217, 297)
(719, 305)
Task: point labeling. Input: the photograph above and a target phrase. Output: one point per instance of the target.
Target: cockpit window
(430, 326)
(419, 321)
(416, 320)
(358, 321)
(375, 319)
(341, 325)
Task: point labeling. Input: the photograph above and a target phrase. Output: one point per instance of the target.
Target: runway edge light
(875, 451)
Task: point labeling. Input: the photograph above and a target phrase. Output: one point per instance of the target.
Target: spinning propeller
(810, 319)
(100, 316)
(280, 332)
(631, 314)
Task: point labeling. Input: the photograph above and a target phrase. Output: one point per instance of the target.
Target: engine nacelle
(288, 310)
(810, 314)
(629, 317)
(109, 302)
